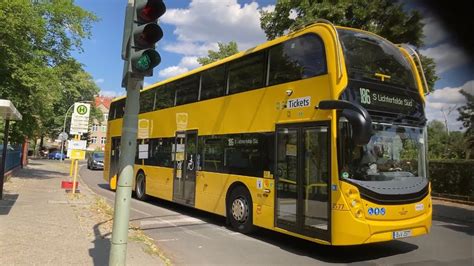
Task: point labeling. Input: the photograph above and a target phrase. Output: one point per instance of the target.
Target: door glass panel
(316, 176)
(190, 164)
(179, 170)
(287, 165)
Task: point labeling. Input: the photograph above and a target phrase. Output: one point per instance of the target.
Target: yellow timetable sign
(78, 154)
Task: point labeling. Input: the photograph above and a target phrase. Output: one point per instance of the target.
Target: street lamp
(64, 127)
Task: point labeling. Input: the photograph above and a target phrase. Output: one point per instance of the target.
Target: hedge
(452, 177)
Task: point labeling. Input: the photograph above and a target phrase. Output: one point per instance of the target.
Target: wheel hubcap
(141, 183)
(240, 209)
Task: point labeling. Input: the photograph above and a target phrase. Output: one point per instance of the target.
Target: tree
(225, 50)
(37, 38)
(385, 18)
(466, 116)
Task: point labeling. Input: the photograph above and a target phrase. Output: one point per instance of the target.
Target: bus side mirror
(357, 116)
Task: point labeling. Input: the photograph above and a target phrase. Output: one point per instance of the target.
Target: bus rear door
(184, 182)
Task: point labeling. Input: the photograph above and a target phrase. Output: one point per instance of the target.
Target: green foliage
(442, 145)
(452, 177)
(385, 18)
(225, 50)
(466, 116)
(37, 72)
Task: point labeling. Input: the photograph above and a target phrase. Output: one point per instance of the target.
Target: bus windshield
(393, 153)
(367, 55)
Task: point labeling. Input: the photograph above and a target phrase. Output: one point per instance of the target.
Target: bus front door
(184, 182)
(302, 176)
(114, 157)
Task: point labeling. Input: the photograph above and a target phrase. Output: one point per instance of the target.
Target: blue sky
(191, 28)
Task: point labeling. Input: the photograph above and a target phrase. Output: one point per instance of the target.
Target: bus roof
(241, 54)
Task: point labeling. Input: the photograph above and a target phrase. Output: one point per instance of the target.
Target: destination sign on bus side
(381, 99)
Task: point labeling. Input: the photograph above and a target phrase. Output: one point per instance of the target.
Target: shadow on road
(334, 254)
(6, 204)
(330, 254)
(454, 218)
(101, 250)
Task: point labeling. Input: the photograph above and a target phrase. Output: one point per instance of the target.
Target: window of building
(106, 117)
(247, 73)
(93, 140)
(103, 140)
(103, 128)
(213, 83)
(299, 58)
(95, 127)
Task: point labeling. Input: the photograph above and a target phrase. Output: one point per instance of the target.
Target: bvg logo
(82, 109)
(364, 96)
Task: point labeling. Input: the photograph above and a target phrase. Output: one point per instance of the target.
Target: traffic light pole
(118, 250)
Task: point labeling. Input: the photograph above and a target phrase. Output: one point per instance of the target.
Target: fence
(13, 158)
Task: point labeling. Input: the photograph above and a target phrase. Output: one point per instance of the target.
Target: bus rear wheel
(239, 210)
(140, 186)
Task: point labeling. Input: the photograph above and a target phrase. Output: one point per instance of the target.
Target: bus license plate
(401, 234)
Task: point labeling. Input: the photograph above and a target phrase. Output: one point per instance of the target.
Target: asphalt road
(189, 236)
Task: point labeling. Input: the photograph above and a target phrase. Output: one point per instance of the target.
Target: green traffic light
(143, 63)
(145, 60)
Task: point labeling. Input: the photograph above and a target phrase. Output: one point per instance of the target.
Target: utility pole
(141, 32)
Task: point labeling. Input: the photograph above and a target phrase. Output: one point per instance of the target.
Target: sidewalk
(41, 224)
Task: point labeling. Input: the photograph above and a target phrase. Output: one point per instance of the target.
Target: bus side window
(213, 83)
(165, 96)
(187, 90)
(247, 73)
(147, 100)
(212, 154)
(299, 58)
(120, 109)
(113, 106)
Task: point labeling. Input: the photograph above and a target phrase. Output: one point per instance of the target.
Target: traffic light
(140, 35)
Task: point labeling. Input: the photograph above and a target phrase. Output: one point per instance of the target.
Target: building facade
(98, 129)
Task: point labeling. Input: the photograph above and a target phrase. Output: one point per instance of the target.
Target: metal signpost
(141, 32)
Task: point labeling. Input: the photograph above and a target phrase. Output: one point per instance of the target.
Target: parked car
(56, 155)
(96, 160)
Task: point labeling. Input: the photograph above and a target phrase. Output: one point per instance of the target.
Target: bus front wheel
(140, 186)
(239, 210)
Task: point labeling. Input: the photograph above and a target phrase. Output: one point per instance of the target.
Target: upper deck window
(187, 90)
(299, 58)
(213, 83)
(367, 55)
(246, 73)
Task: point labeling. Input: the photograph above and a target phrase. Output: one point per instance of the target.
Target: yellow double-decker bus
(320, 134)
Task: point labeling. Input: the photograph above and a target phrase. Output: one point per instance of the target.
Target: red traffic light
(150, 10)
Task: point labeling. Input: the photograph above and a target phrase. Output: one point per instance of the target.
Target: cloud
(190, 48)
(99, 81)
(172, 71)
(434, 31)
(443, 103)
(204, 23)
(187, 63)
(212, 21)
(446, 56)
(112, 93)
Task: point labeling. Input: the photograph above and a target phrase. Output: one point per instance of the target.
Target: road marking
(166, 240)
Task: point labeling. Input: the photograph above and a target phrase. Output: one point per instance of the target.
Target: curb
(470, 203)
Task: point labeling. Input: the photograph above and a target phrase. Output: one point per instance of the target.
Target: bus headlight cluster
(354, 202)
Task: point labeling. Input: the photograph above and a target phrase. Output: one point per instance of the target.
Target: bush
(453, 177)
